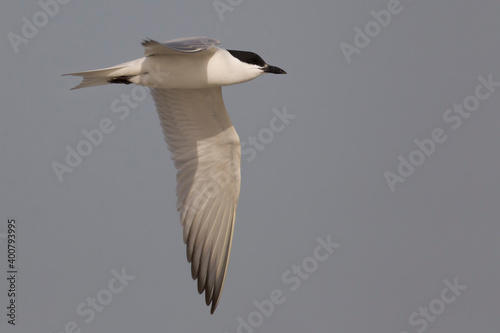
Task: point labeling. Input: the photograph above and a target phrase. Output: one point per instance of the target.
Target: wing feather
(206, 152)
(179, 46)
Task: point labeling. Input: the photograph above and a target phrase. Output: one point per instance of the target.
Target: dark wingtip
(145, 42)
(215, 303)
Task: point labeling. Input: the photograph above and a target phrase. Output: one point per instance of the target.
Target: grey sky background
(322, 175)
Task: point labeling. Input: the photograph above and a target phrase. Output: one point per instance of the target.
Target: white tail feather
(102, 76)
(96, 77)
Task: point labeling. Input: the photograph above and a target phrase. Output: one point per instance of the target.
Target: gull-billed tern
(185, 76)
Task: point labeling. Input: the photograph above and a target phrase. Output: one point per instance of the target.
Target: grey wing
(179, 46)
(206, 151)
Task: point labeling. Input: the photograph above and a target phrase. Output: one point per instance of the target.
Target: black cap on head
(254, 59)
(248, 57)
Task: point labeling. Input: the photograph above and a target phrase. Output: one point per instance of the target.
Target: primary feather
(206, 152)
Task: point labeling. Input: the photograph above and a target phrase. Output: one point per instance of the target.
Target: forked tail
(117, 74)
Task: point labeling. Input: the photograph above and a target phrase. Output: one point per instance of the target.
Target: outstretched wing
(179, 46)
(206, 151)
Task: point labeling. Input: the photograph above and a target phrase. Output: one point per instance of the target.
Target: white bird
(185, 76)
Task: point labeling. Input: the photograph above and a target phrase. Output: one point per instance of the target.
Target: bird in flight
(185, 77)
